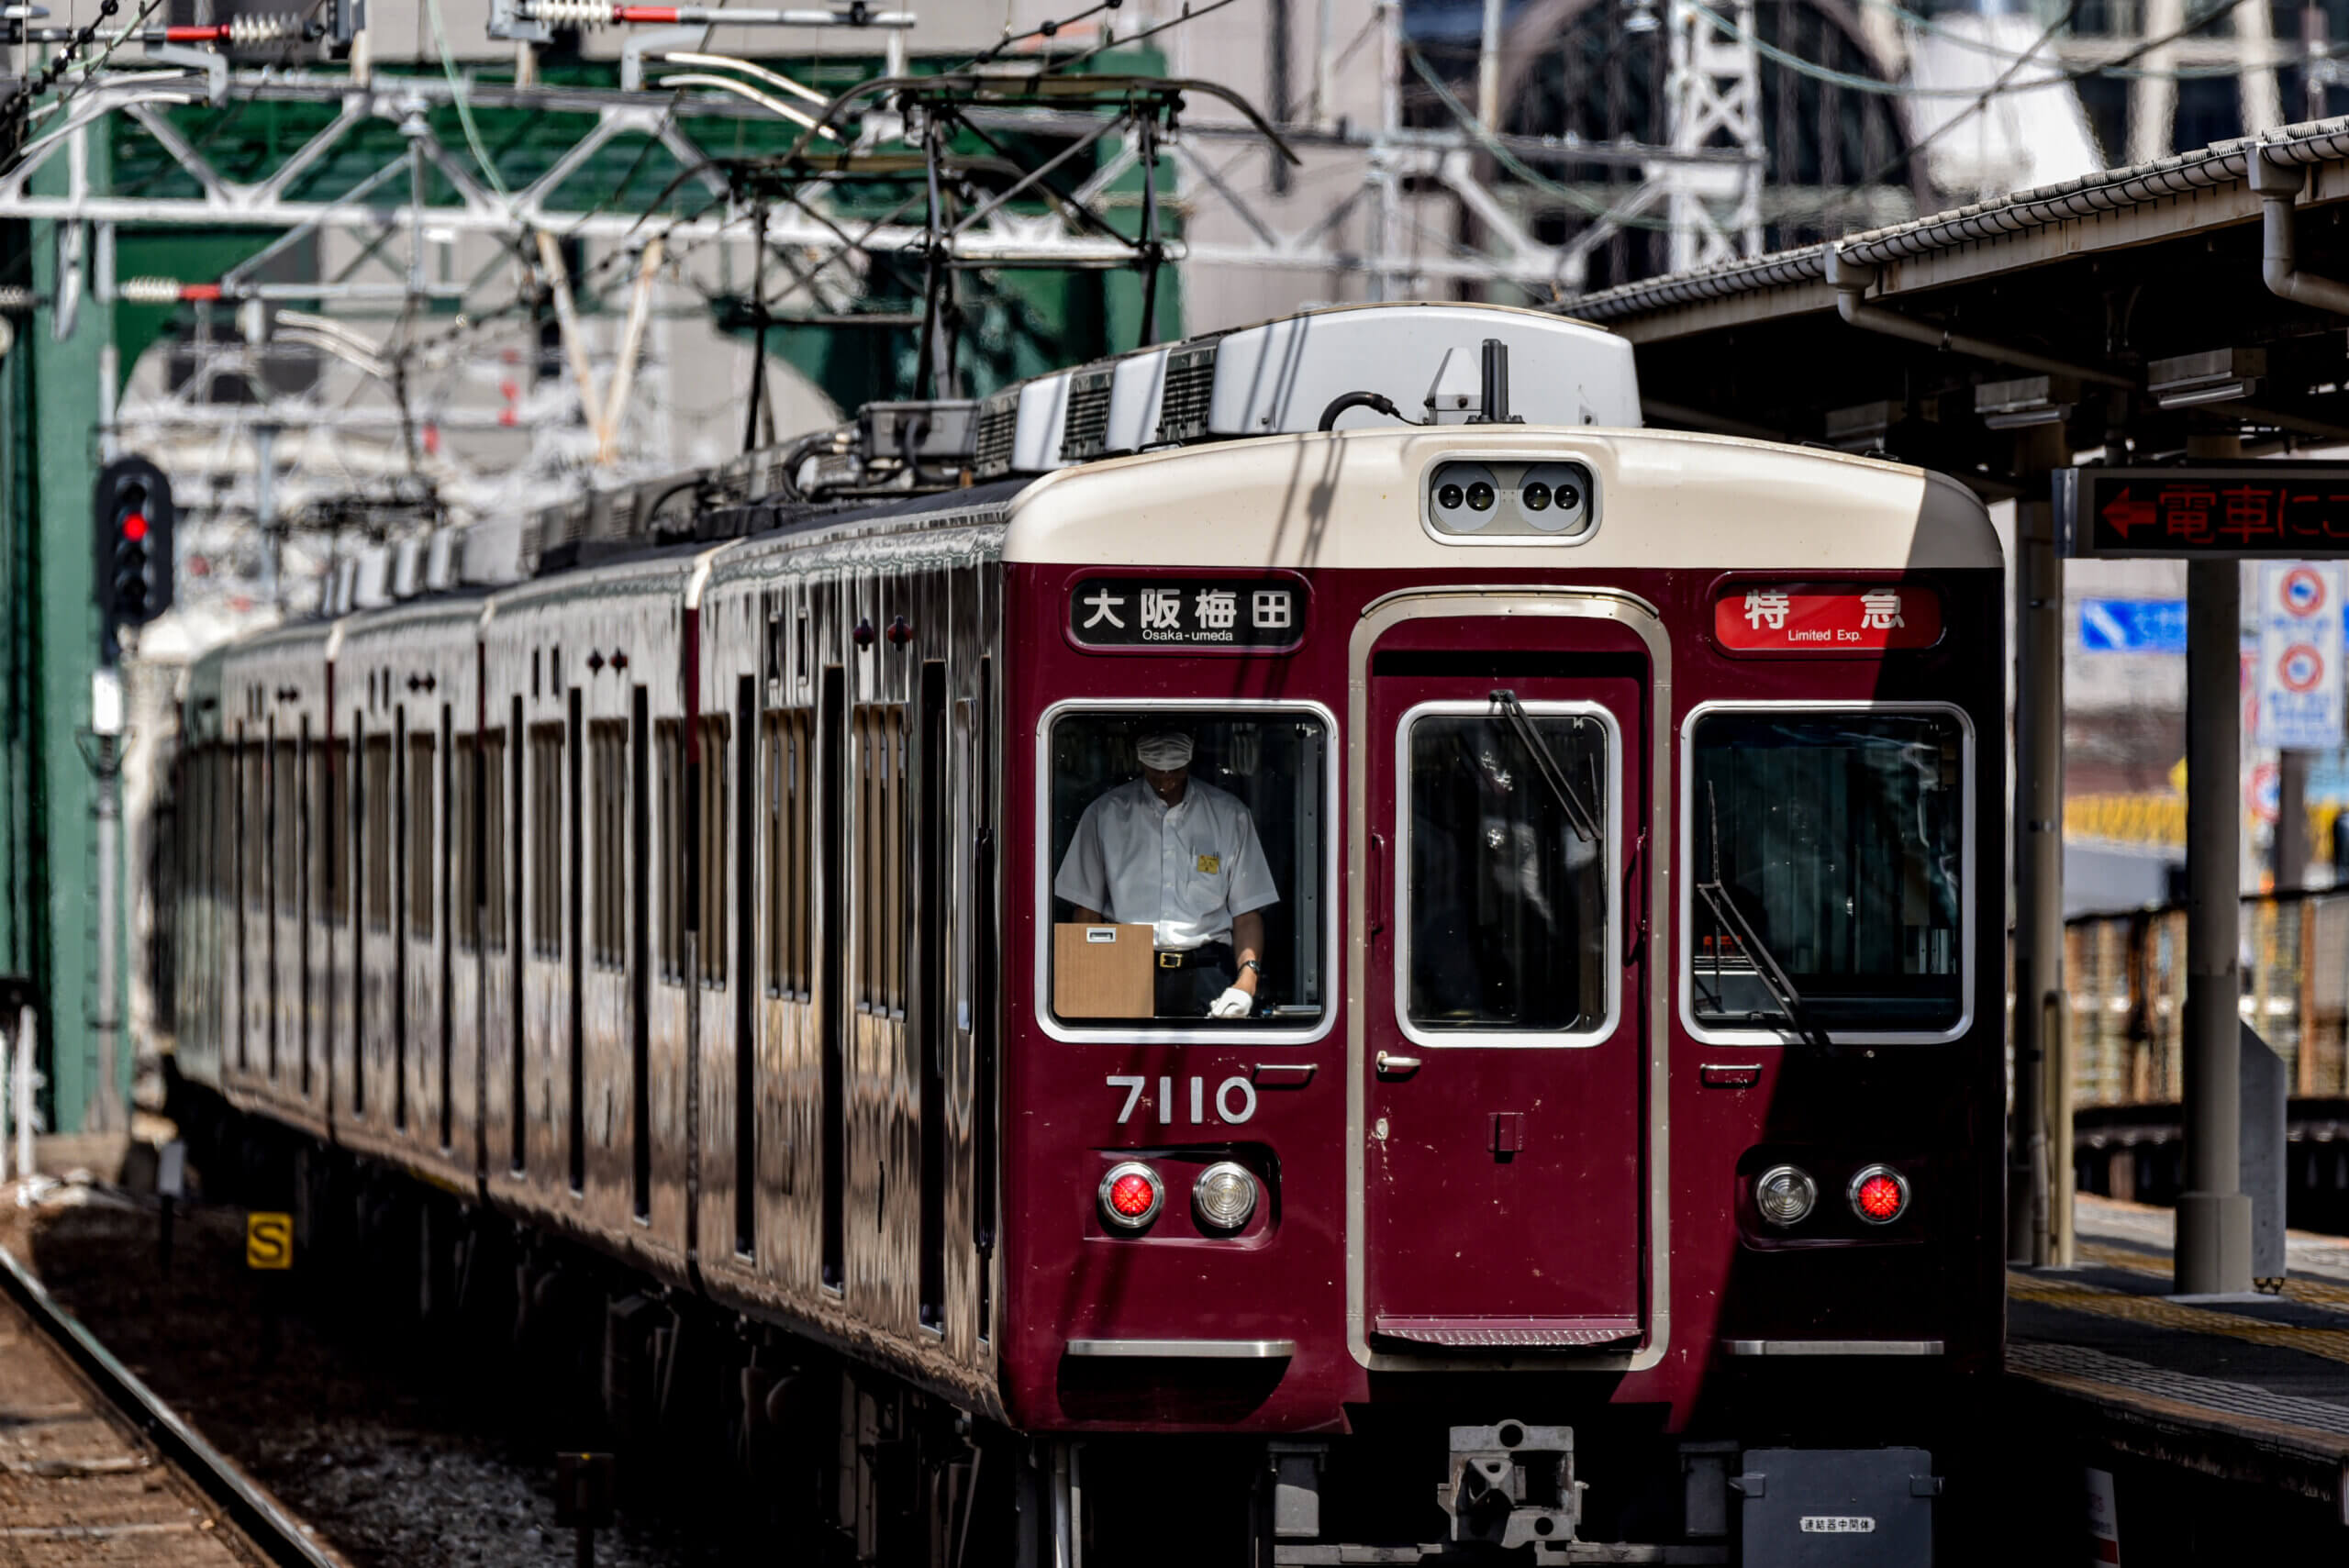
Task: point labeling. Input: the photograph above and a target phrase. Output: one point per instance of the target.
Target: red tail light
(1879, 1194)
(1132, 1194)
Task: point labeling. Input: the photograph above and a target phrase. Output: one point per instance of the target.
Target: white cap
(1164, 751)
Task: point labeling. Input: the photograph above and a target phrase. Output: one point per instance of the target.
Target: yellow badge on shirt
(1210, 864)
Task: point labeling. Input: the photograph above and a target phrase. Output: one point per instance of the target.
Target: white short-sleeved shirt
(1186, 869)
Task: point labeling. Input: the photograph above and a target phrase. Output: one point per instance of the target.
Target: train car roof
(1354, 499)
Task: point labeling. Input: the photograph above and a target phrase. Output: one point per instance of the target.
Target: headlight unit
(1785, 1195)
(1225, 1194)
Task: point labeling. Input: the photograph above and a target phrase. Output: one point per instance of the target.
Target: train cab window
(421, 778)
(1506, 897)
(1828, 886)
(378, 789)
(1175, 840)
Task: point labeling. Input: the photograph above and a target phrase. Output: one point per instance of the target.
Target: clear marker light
(1225, 1194)
(1785, 1195)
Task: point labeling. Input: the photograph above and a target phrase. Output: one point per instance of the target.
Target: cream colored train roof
(1665, 498)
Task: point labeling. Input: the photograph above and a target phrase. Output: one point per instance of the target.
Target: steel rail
(275, 1533)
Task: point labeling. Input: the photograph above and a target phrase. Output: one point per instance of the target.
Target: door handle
(1377, 891)
(1385, 1063)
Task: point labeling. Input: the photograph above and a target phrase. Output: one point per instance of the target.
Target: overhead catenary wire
(2078, 74)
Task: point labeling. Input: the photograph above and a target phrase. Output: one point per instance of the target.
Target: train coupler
(1512, 1485)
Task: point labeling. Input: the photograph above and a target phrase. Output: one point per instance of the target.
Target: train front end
(1600, 831)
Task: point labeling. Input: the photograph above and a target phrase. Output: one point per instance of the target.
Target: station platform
(2250, 1390)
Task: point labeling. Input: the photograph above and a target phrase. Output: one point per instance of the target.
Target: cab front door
(1504, 1167)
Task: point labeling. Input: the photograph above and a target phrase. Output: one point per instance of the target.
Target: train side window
(465, 828)
(784, 779)
(285, 843)
(378, 788)
(607, 908)
(253, 827)
(545, 830)
(882, 824)
(1506, 899)
(710, 853)
(669, 802)
(1837, 839)
(421, 794)
(491, 805)
(1147, 898)
(328, 823)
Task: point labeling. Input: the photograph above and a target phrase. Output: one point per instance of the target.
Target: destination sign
(1762, 619)
(2284, 509)
(1187, 612)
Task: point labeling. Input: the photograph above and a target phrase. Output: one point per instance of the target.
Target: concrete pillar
(2291, 821)
(2038, 1180)
(2213, 1250)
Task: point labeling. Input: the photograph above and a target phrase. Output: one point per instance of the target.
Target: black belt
(1218, 954)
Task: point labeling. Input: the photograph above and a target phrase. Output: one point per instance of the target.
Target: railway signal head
(133, 517)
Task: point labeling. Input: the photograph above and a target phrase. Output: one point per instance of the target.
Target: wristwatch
(1252, 964)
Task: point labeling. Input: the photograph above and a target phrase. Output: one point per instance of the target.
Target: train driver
(1178, 853)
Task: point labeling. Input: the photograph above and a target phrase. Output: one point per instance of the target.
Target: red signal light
(134, 526)
(1131, 1196)
(1879, 1194)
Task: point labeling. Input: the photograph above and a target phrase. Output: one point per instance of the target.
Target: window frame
(1332, 852)
(1612, 822)
(1968, 806)
(380, 914)
(786, 739)
(420, 778)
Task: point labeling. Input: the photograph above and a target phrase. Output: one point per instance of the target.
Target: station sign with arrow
(2283, 509)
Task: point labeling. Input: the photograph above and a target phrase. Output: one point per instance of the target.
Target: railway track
(93, 1466)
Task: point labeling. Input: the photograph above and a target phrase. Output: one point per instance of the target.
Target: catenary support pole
(2038, 1189)
(2213, 1251)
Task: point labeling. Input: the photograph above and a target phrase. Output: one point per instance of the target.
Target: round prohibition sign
(2300, 668)
(2302, 590)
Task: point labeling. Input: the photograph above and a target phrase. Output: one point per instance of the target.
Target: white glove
(1233, 1004)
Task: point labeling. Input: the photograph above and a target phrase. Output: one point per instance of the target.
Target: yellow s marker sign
(269, 1241)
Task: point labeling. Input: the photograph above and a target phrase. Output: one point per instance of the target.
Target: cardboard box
(1103, 972)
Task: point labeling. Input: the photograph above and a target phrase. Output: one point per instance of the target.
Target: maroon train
(1609, 1168)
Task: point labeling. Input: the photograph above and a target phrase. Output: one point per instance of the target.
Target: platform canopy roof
(2129, 303)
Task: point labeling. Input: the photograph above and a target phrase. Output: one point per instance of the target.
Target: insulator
(149, 290)
(571, 13)
(253, 28)
(15, 296)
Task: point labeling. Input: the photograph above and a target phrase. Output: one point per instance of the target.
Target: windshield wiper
(1545, 762)
(1731, 919)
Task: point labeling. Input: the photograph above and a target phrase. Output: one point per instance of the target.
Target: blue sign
(2133, 625)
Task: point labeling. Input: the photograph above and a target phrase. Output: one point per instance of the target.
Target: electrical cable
(1996, 51)
(1588, 207)
(2145, 47)
(457, 93)
(1188, 15)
